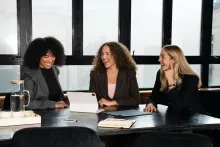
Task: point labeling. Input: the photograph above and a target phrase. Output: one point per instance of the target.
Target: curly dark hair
(40, 47)
(121, 54)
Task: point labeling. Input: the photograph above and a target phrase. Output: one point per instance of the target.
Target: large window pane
(8, 27)
(214, 72)
(186, 25)
(100, 24)
(197, 69)
(75, 77)
(216, 28)
(146, 74)
(146, 27)
(53, 18)
(8, 73)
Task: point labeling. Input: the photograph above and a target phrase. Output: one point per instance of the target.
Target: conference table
(159, 121)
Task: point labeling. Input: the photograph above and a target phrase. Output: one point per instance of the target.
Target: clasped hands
(104, 102)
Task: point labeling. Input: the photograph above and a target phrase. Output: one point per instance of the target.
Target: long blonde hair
(181, 66)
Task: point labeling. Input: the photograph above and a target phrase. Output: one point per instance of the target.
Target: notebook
(83, 102)
(116, 123)
(128, 113)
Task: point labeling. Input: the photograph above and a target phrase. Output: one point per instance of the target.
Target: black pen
(71, 120)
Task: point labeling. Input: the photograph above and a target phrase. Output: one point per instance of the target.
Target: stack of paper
(116, 123)
(29, 118)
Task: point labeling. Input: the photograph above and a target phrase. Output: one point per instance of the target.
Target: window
(100, 24)
(197, 69)
(146, 75)
(214, 72)
(186, 25)
(53, 18)
(75, 77)
(216, 29)
(8, 27)
(8, 73)
(146, 27)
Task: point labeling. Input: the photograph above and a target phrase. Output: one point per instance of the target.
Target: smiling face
(47, 60)
(165, 61)
(107, 58)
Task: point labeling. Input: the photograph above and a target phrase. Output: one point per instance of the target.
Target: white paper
(83, 102)
(20, 121)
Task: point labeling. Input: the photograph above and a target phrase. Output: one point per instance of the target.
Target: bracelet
(171, 85)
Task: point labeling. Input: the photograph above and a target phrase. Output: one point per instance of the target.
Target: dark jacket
(35, 83)
(126, 92)
(182, 97)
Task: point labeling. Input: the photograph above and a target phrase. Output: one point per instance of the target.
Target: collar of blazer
(119, 83)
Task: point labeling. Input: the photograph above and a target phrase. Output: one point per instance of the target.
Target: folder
(128, 113)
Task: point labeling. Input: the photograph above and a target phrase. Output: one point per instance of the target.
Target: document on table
(116, 123)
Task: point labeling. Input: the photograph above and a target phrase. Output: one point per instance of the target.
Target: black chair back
(171, 139)
(56, 137)
(210, 101)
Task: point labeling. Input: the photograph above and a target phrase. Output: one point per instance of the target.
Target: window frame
(24, 23)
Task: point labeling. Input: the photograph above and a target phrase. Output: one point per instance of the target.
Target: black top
(126, 92)
(181, 98)
(54, 91)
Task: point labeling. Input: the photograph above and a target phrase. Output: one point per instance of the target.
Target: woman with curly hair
(176, 83)
(113, 77)
(41, 76)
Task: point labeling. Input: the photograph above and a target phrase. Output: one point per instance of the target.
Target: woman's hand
(150, 108)
(61, 104)
(169, 74)
(104, 102)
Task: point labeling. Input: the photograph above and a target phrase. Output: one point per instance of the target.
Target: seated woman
(176, 83)
(40, 74)
(113, 77)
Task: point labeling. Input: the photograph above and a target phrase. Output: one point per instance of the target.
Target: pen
(71, 120)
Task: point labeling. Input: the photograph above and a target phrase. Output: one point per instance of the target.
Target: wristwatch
(171, 85)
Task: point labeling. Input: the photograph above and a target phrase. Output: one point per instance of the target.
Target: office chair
(5, 143)
(56, 137)
(171, 139)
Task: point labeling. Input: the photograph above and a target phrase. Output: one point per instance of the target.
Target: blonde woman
(176, 83)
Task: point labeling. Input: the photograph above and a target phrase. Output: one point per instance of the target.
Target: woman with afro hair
(41, 75)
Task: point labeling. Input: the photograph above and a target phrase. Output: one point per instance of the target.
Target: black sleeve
(134, 96)
(92, 83)
(93, 86)
(156, 93)
(181, 97)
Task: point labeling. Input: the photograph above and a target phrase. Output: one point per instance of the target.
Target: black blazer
(182, 97)
(126, 92)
